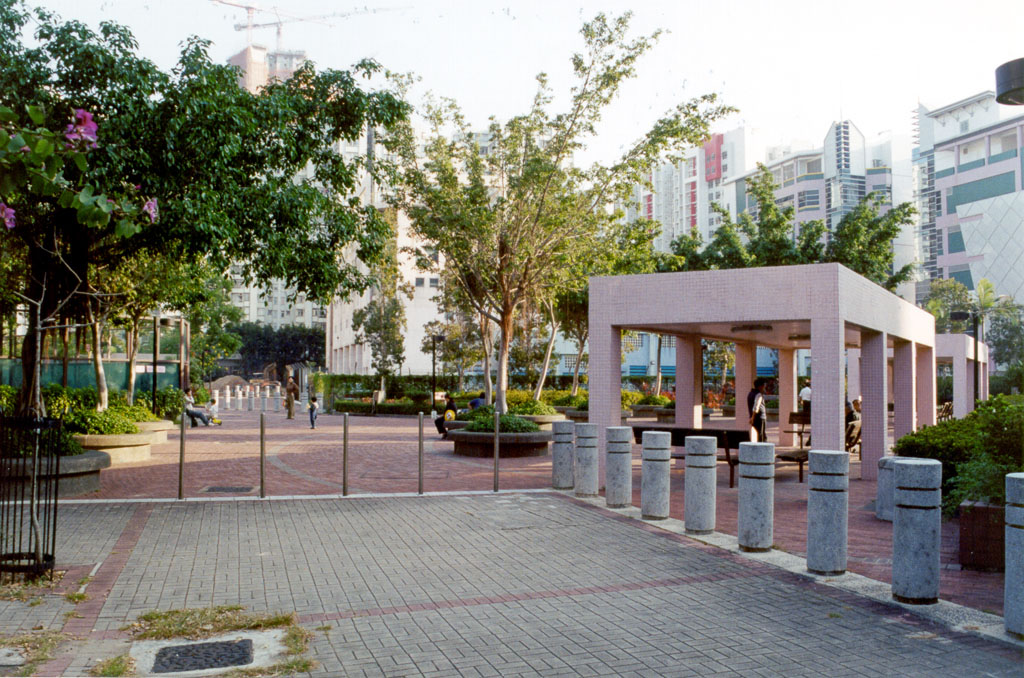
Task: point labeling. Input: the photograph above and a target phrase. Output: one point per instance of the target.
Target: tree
(506, 221)
(220, 163)
(944, 297)
(210, 313)
(1006, 334)
(463, 346)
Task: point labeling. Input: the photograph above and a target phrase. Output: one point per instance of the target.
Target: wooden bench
(802, 420)
(728, 439)
(800, 455)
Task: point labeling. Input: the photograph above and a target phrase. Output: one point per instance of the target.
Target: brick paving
(484, 585)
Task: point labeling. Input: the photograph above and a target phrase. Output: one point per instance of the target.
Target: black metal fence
(29, 473)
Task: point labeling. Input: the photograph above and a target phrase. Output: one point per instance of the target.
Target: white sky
(790, 66)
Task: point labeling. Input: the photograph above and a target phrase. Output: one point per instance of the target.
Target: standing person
(757, 410)
(314, 407)
(450, 410)
(291, 392)
(805, 397)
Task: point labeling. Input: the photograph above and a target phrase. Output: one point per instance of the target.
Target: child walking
(314, 406)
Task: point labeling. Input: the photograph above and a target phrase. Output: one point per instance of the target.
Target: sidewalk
(519, 584)
(383, 459)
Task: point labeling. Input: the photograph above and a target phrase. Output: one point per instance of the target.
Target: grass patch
(84, 580)
(36, 648)
(198, 623)
(71, 614)
(35, 601)
(290, 667)
(326, 628)
(75, 597)
(834, 615)
(122, 665)
(23, 591)
(296, 639)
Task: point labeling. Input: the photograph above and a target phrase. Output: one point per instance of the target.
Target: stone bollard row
(828, 502)
(884, 489)
(264, 395)
(700, 483)
(756, 511)
(585, 469)
(562, 455)
(618, 485)
(1013, 581)
(227, 398)
(654, 475)
(238, 398)
(916, 532)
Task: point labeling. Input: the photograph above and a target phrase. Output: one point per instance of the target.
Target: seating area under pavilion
(826, 308)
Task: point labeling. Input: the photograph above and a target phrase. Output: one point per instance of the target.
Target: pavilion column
(745, 368)
(874, 406)
(983, 376)
(962, 385)
(853, 389)
(787, 393)
(925, 365)
(605, 374)
(827, 378)
(904, 388)
(689, 389)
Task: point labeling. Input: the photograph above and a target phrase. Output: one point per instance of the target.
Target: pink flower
(7, 214)
(82, 131)
(150, 208)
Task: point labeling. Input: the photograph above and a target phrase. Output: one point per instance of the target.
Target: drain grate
(199, 656)
(230, 488)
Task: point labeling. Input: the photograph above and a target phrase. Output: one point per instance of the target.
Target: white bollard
(885, 489)
(238, 398)
(562, 455)
(252, 399)
(654, 475)
(585, 461)
(618, 473)
(828, 502)
(277, 398)
(1013, 580)
(700, 484)
(917, 531)
(756, 511)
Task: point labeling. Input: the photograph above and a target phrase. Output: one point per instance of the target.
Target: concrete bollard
(584, 469)
(1013, 580)
(700, 484)
(917, 531)
(238, 398)
(756, 512)
(654, 475)
(226, 402)
(562, 455)
(885, 489)
(828, 502)
(252, 399)
(618, 473)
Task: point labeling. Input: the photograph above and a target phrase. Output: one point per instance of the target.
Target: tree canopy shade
(228, 176)
(509, 218)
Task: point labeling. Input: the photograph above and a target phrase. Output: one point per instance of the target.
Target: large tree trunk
(500, 404)
(542, 377)
(657, 379)
(102, 397)
(579, 359)
(487, 339)
(132, 346)
(30, 398)
(65, 338)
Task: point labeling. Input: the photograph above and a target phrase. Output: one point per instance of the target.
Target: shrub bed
(509, 423)
(532, 407)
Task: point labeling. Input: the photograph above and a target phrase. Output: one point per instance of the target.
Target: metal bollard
(561, 455)
(344, 457)
(585, 461)
(619, 467)
(828, 503)
(497, 442)
(181, 459)
(420, 486)
(884, 489)
(1013, 582)
(700, 484)
(263, 455)
(756, 497)
(917, 531)
(264, 394)
(654, 475)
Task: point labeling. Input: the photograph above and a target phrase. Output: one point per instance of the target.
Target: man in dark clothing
(757, 410)
(450, 410)
(477, 402)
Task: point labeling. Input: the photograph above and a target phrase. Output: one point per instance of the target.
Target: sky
(791, 67)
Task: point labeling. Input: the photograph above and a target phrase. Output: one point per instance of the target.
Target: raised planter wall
(481, 443)
(79, 473)
(123, 448)
(544, 421)
(159, 429)
(583, 416)
(982, 537)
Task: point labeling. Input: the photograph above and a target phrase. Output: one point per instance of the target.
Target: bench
(728, 439)
(800, 456)
(801, 420)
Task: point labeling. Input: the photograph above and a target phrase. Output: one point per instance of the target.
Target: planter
(79, 473)
(646, 411)
(123, 448)
(982, 536)
(159, 429)
(455, 424)
(562, 408)
(543, 420)
(728, 410)
(666, 415)
(481, 444)
(583, 416)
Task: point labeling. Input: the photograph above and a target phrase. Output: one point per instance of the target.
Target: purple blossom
(150, 208)
(83, 130)
(7, 214)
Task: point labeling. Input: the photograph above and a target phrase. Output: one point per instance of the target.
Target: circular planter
(123, 448)
(666, 414)
(481, 444)
(583, 416)
(159, 429)
(79, 473)
(645, 411)
(455, 424)
(543, 420)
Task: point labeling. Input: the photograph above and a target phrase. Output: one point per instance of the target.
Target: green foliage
(107, 422)
(381, 323)
(170, 402)
(569, 400)
(418, 397)
(532, 407)
(508, 423)
(200, 394)
(944, 297)
(950, 442)
(518, 397)
(630, 398)
(61, 402)
(656, 400)
(8, 398)
(981, 478)
(135, 412)
(482, 412)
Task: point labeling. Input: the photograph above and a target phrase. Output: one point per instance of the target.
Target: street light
(434, 338)
(973, 317)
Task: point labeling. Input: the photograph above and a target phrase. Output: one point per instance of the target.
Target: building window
(433, 283)
(419, 283)
(964, 126)
(808, 199)
(299, 313)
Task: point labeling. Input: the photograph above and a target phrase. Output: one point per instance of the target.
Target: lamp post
(156, 353)
(434, 338)
(973, 317)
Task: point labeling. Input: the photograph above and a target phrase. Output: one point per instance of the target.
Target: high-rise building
(968, 186)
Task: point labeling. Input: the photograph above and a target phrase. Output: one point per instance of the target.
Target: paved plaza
(525, 582)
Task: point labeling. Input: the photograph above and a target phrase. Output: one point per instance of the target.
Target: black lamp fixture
(434, 338)
(1010, 83)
